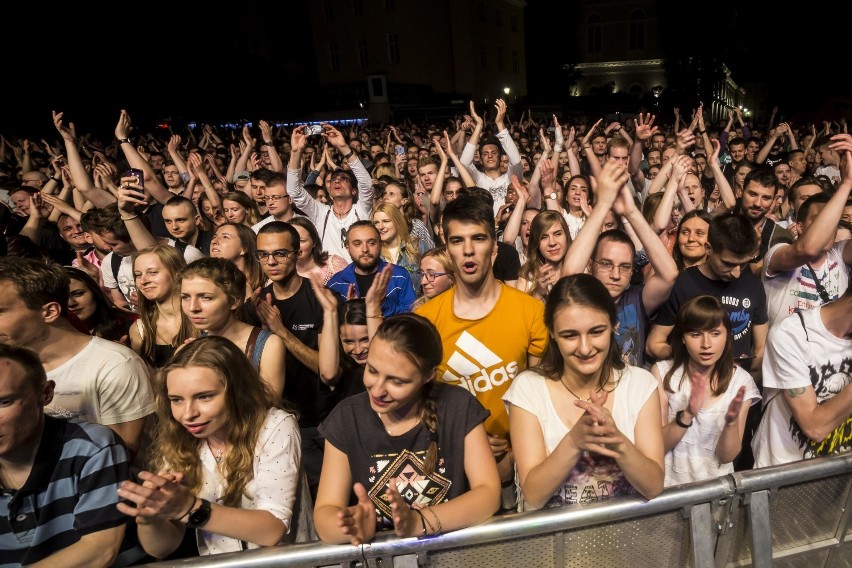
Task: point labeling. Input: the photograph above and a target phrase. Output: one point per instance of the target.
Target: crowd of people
(218, 339)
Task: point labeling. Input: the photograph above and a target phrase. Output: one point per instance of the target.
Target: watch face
(553, 196)
(200, 516)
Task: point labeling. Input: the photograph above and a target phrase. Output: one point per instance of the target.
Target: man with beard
(364, 245)
(759, 190)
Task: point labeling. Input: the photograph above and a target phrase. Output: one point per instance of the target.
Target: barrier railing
(792, 515)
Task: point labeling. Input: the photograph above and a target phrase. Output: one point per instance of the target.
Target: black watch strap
(678, 419)
(199, 517)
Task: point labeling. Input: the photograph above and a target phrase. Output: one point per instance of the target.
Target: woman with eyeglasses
(704, 396)
(436, 275)
(212, 293)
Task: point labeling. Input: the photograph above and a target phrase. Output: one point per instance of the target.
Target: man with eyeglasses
(289, 308)
(612, 254)
(350, 191)
(277, 200)
(364, 245)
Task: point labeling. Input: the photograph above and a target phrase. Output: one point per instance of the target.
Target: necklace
(416, 422)
(572, 392)
(218, 453)
(601, 389)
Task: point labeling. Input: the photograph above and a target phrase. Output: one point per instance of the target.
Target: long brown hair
(701, 313)
(579, 290)
(541, 223)
(174, 263)
(416, 338)
(247, 399)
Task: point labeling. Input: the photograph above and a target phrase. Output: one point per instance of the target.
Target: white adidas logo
(478, 368)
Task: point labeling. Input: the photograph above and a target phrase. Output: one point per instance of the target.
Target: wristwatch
(199, 517)
(678, 419)
(553, 195)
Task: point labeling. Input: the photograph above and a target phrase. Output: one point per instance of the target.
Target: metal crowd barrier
(786, 516)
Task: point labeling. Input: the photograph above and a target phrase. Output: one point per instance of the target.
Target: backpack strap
(115, 264)
(256, 342)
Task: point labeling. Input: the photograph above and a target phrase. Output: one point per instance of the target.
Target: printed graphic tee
(485, 355)
(376, 458)
(799, 356)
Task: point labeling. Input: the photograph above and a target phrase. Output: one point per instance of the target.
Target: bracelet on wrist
(347, 156)
(129, 217)
(422, 522)
(188, 511)
(268, 142)
(124, 140)
(680, 422)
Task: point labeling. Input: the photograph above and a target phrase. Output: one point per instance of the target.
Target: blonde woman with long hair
(227, 459)
(162, 326)
(398, 246)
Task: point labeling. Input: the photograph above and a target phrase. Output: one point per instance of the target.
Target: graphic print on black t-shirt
(405, 471)
(827, 381)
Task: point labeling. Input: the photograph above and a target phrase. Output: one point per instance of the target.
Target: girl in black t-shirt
(416, 451)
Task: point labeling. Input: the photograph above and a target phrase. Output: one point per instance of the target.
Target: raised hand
(122, 127)
(477, 120)
(333, 135)
(378, 289)
(500, 105)
(268, 313)
(326, 298)
(644, 127)
(698, 394)
(685, 140)
(610, 180)
(734, 407)
(298, 140)
(358, 521)
(68, 133)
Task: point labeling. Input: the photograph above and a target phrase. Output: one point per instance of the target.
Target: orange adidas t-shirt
(486, 354)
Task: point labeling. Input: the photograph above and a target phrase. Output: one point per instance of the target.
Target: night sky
(156, 64)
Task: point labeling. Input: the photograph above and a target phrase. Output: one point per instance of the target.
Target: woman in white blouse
(702, 393)
(228, 460)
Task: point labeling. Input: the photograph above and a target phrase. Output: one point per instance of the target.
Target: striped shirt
(70, 493)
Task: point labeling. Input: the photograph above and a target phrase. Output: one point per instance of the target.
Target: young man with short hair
(731, 244)
(490, 331)
(364, 244)
(289, 308)
(490, 151)
(277, 200)
(96, 380)
(759, 191)
(183, 224)
(807, 381)
(611, 255)
(58, 478)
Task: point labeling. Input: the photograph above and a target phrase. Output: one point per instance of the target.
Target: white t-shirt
(275, 484)
(795, 290)
(125, 281)
(594, 477)
(105, 383)
(574, 223)
(795, 358)
(694, 457)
